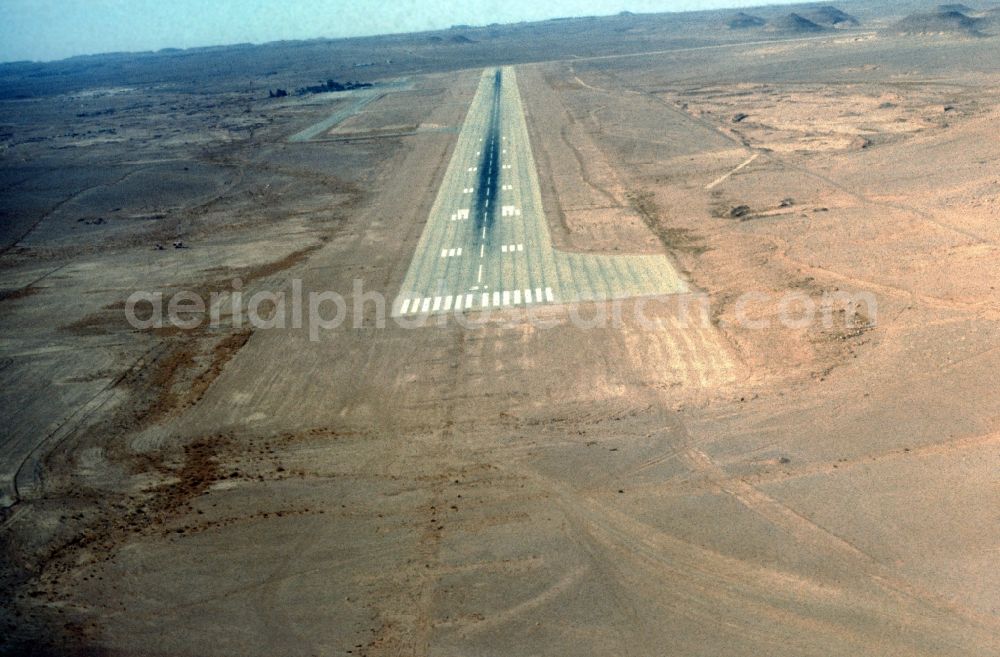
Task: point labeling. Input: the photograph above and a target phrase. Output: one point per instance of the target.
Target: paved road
(486, 243)
(354, 100)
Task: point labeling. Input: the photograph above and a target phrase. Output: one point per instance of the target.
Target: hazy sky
(53, 29)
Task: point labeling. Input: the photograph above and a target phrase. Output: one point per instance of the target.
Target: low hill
(964, 9)
(939, 22)
(742, 21)
(832, 16)
(990, 21)
(795, 23)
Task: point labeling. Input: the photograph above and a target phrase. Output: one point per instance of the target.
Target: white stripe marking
(486, 300)
(496, 298)
(538, 294)
(426, 306)
(548, 295)
(437, 304)
(447, 303)
(468, 300)
(404, 307)
(527, 295)
(506, 298)
(517, 297)
(723, 177)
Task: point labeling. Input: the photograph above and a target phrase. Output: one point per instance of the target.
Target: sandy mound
(832, 17)
(795, 23)
(742, 21)
(940, 22)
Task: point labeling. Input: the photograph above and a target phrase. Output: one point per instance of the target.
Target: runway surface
(486, 244)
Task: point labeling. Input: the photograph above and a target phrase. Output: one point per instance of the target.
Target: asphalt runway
(486, 244)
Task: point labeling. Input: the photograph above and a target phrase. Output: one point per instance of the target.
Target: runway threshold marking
(460, 302)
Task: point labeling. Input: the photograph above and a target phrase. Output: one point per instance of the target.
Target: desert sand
(504, 488)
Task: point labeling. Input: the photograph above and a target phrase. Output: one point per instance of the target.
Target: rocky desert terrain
(744, 484)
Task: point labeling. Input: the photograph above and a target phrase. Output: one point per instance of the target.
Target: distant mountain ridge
(809, 20)
(796, 23)
(949, 21)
